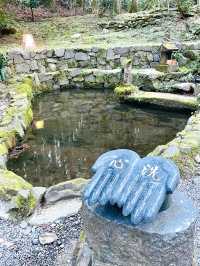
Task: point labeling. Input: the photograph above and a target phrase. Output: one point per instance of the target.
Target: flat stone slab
(167, 100)
(51, 213)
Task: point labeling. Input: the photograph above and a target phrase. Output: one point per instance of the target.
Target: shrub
(32, 4)
(184, 7)
(148, 4)
(3, 63)
(6, 23)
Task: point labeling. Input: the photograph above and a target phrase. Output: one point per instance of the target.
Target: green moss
(76, 183)
(162, 68)
(184, 148)
(123, 90)
(186, 164)
(184, 69)
(126, 61)
(79, 181)
(3, 149)
(25, 206)
(8, 116)
(8, 137)
(28, 81)
(28, 116)
(167, 100)
(25, 88)
(10, 184)
(82, 237)
(72, 63)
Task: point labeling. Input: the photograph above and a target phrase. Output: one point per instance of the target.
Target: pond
(72, 128)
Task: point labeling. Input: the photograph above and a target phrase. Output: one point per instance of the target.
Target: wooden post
(127, 72)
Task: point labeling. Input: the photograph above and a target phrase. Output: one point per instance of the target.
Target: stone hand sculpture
(138, 186)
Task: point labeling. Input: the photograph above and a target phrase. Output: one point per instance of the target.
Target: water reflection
(73, 128)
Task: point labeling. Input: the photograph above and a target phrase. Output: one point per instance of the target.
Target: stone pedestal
(168, 241)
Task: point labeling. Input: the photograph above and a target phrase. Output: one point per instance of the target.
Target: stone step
(167, 100)
(175, 82)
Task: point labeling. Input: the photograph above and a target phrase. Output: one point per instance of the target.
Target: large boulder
(16, 193)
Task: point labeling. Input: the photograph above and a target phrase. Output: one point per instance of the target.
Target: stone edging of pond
(18, 198)
(17, 195)
(184, 149)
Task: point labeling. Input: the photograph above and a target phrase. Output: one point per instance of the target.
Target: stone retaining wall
(25, 62)
(53, 60)
(76, 77)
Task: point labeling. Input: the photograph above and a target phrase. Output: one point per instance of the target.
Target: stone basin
(168, 240)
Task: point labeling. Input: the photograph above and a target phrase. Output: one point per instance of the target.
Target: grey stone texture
(77, 77)
(144, 58)
(103, 58)
(169, 240)
(65, 190)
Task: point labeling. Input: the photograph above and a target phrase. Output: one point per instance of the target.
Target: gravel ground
(20, 245)
(192, 189)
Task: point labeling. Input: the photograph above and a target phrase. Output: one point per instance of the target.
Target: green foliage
(184, 69)
(184, 6)
(106, 4)
(46, 3)
(31, 3)
(3, 61)
(6, 23)
(193, 64)
(178, 56)
(149, 4)
(195, 67)
(133, 6)
(3, 20)
(125, 4)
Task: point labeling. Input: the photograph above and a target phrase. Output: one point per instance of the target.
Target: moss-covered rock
(25, 88)
(17, 117)
(11, 184)
(184, 148)
(15, 189)
(25, 203)
(166, 100)
(124, 90)
(3, 149)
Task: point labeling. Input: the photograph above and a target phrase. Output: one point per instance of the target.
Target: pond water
(72, 128)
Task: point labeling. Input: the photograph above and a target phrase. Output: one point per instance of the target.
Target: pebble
(35, 241)
(47, 238)
(26, 250)
(23, 224)
(197, 159)
(27, 230)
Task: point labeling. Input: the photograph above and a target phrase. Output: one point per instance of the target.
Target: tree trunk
(118, 6)
(133, 7)
(32, 15)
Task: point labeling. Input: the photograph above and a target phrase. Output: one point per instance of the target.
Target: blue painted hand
(143, 195)
(138, 186)
(109, 169)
